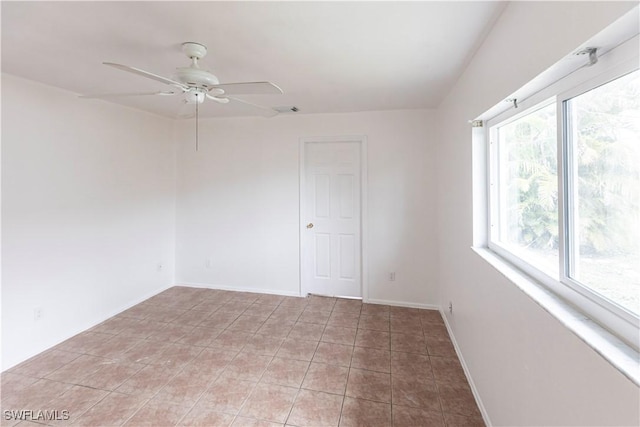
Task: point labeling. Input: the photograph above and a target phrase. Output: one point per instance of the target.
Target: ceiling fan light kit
(195, 95)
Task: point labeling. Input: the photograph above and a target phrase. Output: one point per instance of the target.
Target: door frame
(362, 140)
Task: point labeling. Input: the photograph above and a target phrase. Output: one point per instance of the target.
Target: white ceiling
(327, 56)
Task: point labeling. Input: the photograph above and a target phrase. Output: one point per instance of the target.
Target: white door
(330, 219)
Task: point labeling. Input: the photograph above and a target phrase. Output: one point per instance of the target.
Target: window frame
(614, 64)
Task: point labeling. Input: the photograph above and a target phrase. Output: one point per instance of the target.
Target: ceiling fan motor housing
(195, 77)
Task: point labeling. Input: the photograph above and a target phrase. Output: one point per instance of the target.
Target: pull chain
(197, 122)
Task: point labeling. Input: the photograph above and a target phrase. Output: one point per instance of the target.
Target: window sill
(624, 358)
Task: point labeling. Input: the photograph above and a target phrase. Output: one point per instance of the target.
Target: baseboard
(295, 294)
(474, 390)
(403, 304)
(239, 289)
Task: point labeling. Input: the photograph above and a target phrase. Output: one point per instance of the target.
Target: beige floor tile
(261, 311)
(184, 389)
(111, 375)
(285, 372)
(333, 354)
(147, 381)
(440, 347)
(193, 317)
(344, 319)
(246, 323)
(415, 393)
(373, 339)
(44, 364)
(297, 349)
(369, 385)
(80, 368)
(201, 337)
(113, 348)
(411, 365)
(458, 400)
(455, 420)
(447, 370)
(263, 344)
(113, 410)
(204, 417)
(276, 328)
(34, 396)
(252, 422)
(227, 395)
(269, 402)
(232, 340)
(315, 408)
(157, 414)
(348, 305)
(374, 322)
(408, 343)
(15, 383)
(339, 335)
(76, 400)
(326, 378)
(404, 416)
(306, 331)
(371, 359)
(312, 315)
(171, 332)
(375, 309)
(247, 366)
(83, 342)
(359, 412)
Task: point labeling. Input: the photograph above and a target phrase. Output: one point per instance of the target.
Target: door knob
(310, 225)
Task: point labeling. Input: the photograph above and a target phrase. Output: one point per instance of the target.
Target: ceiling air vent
(286, 109)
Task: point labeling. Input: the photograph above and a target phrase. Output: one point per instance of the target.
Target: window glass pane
(604, 130)
(528, 189)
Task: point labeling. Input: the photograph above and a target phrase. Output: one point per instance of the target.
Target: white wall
(527, 367)
(88, 192)
(238, 201)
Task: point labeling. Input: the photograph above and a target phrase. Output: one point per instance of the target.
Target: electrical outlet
(159, 267)
(37, 313)
(392, 276)
(450, 307)
(208, 263)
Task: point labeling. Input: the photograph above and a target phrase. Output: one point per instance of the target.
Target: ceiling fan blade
(264, 111)
(147, 75)
(122, 95)
(249, 88)
(218, 100)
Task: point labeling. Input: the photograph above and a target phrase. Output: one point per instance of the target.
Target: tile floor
(202, 357)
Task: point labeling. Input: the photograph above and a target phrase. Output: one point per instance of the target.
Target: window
(603, 146)
(526, 185)
(564, 192)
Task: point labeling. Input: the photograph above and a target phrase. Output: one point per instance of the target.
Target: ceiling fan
(196, 84)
